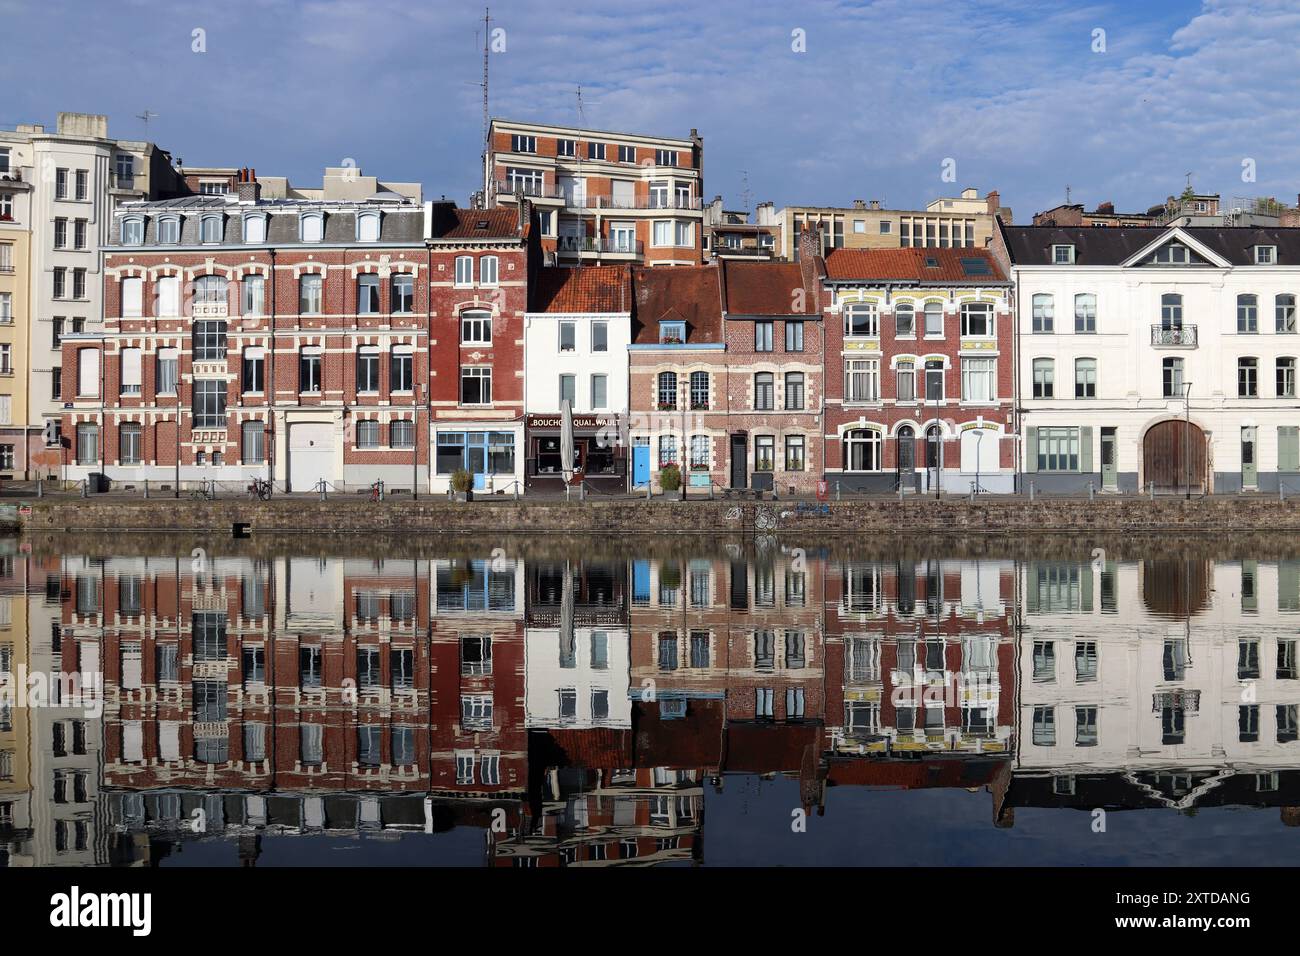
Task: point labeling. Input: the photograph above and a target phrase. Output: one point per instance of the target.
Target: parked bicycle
(205, 492)
(260, 488)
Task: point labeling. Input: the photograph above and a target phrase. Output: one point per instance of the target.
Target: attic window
(672, 333)
(931, 262)
(1172, 254)
(975, 267)
(1063, 255)
(1265, 255)
(482, 224)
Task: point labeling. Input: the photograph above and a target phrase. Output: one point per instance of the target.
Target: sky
(803, 103)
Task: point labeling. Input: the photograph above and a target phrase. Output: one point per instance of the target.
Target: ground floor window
(667, 450)
(87, 443)
(254, 442)
(794, 453)
(130, 438)
(862, 450)
(491, 453)
(764, 452)
(6, 457)
(700, 448)
(1058, 449)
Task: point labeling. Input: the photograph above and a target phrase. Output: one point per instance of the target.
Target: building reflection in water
(579, 710)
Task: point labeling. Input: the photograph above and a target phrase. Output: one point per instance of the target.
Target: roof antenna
(145, 117)
(582, 117)
(744, 191)
(1067, 194)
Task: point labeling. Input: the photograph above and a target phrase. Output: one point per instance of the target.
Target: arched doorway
(1173, 456)
(906, 440)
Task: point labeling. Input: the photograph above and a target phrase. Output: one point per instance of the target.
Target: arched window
(255, 228)
(667, 391)
(1085, 312)
(367, 227)
(699, 391)
(169, 229)
(862, 450)
(133, 231)
(934, 319)
(1285, 311)
(906, 448)
(904, 319)
(311, 226)
(933, 443)
(210, 228)
(1044, 378)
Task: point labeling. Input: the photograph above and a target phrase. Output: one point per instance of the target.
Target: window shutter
(1288, 448)
(88, 372)
(1085, 448)
(132, 296)
(1031, 449)
(131, 367)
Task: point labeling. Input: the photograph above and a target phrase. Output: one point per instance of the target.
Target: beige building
(964, 221)
(15, 299)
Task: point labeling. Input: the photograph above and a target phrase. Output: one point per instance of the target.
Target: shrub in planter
(670, 477)
(461, 481)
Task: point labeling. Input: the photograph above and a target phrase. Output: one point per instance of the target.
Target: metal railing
(576, 245)
(1183, 336)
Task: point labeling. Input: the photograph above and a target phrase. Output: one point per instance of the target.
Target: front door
(476, 459)
(1109, 468)
(739, 461)
(1174, 456)
(641, 463)
(1249, 467)
(906, 457)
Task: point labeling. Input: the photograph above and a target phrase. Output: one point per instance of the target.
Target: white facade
(582, 685)
(564, 350)
(1125, 338)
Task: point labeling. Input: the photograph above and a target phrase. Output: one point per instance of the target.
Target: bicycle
(203, 493)
(260, 488)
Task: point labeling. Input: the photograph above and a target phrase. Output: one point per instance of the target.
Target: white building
(575, 349)
(1157, 355)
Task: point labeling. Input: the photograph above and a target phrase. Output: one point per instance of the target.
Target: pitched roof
(682, 293)
(582, 289)
(451, 222)
(1106, 246)
(765, 288)
(947, 266)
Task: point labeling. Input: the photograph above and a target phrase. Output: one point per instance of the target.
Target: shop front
(599, 453)
(489, 454)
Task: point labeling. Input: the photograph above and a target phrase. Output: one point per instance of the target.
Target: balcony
(598, 245)
(533, 190)
(1181, 337)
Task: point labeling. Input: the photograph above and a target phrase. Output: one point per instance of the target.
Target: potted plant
(462, 484)
(670, 478)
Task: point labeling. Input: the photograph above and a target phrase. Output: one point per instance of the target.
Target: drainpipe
(270, 385)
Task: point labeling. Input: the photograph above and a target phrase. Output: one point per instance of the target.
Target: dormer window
(367, 227)
(672, 333)
(255, 228)
(1173, 254)
(210, 229)
(1063, 255)
(1265, 255)
(311, 226)
(169, 230)
(132, 232)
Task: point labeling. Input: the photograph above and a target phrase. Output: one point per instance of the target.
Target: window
(401, 370)
(487, 270)
(667, 450)
(60, 183)
(132, 232)
(368, 227)
(978, 379)
(627, 154)
(700, 451)
(667, 389)
(862, 380)
(87, 443)
(476, 386)
(253, 442)
(600, 336)
(82, 184)
(596, 151)
(1044, 726)
(168, 363)
(764, 392)
(132, 380)
(130, 440)
(209, 403)
(59, 279)
(254, 229)
(1247, 313)
(934, 380)
(209, 340)
(401, 294)
(1247, 377)
(934, 319)
(763, 336)
(1058, 449)
(905, 381)
(794, 391)
(1171, 370)
(169, 230)
(1085, 726)
(699, 391)
(210, 229)
(78, 283)
(88, 372)
(132, 297)
(794, 453)
(1085, 312)
(367, 434)
(1285, 314)
(368, 368)
(309, 370)
(672, 333)
(476, 328)
(568, 337)
(977, 319)
(566, 147)
(254, 294)
(310, 289)
(793, 336)
(764, 452)
(367, 294)
(311, 226)
(401, 434)
(6, 308)
(862, 450)
(1171, 311)
(1286, 377)
(1044, 377)
(1085, 378)
(1043, 320)
(520, 143)
(1063, 255)
(1265, 255)
(904, 320)
(862, 319)
(464, 270)
(568, 390)
(599, 391)
(665, 157)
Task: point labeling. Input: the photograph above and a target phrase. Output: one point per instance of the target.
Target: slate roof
(581, 289)
(1108, 246)
(943, 266)
(690, 294)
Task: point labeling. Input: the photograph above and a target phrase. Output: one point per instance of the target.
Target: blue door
(640, 465)
(641, 581)
(476, 459)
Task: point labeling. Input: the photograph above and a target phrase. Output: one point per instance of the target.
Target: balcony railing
(575, 245)
(533, 190)
(1179, 337)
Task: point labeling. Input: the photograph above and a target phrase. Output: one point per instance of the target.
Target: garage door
(311, 455)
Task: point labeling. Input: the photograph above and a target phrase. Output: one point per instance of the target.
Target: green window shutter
(1288, 448)
(1031, 449)
(1085, 448)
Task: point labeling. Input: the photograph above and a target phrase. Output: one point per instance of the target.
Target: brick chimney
(1106, 208)
(859, 204)
(247, 188)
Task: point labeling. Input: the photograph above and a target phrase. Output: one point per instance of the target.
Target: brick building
(920, 371)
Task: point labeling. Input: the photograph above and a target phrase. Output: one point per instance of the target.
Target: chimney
(1106, 208)
(810, 244)
(874, 204)
(247, 188)
(859, 204)
(994, 201)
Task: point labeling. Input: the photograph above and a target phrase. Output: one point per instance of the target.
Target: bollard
(1151, 487)
(516, 491)
(320, 485)
(1091, 491)
(1281, 491)
(146, 488)
(972, 494)
(1031, 491)
(837, 491)
(84, 488)
(900, 491)
(40, 488)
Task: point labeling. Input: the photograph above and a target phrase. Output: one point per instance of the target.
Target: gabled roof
(676, 293)
(451, 222)
(943, 266)
(582, 289)
(764, 288)
(1106, 246)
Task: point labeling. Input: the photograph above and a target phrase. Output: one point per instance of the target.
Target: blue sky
(1012, 90)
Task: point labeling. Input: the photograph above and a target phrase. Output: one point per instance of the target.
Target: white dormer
(1265, 255)
(255, 227)
(368, 226)
(311, 226)
(1063, 254)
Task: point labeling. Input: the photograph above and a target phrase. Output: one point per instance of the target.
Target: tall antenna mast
(582, 119)
(146, 116)
(487, 146)
(744, 191)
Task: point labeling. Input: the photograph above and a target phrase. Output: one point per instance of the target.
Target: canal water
(349, 700)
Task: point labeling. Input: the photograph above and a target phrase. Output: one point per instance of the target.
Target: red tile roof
(582, 289)
(914, 774)
(676, 293)
(450, 222)
(765, 288)
(912, 265)
(690, 742)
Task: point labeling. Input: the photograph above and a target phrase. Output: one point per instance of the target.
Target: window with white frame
(210, 229)
(862, 380)
(979, 380)
(88, 372)
(1044, 372)
(933, 320)
(1285, 320)
(132, 380)
(476, 385)
(904, 319)
(464, 270)
(1043, 312)
(401, 369)
(568, 336)
(132, 231)
(487, 270)
(861, 320)
(169, 230)
(600, 336)
(253, 297)
(862, 450)
(254, 229)
(905, 380)
(1085, 313)
(311, 226)
(368, 227)
(1085, 378)
(476, 327)
(132, 297)
(977, 319)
